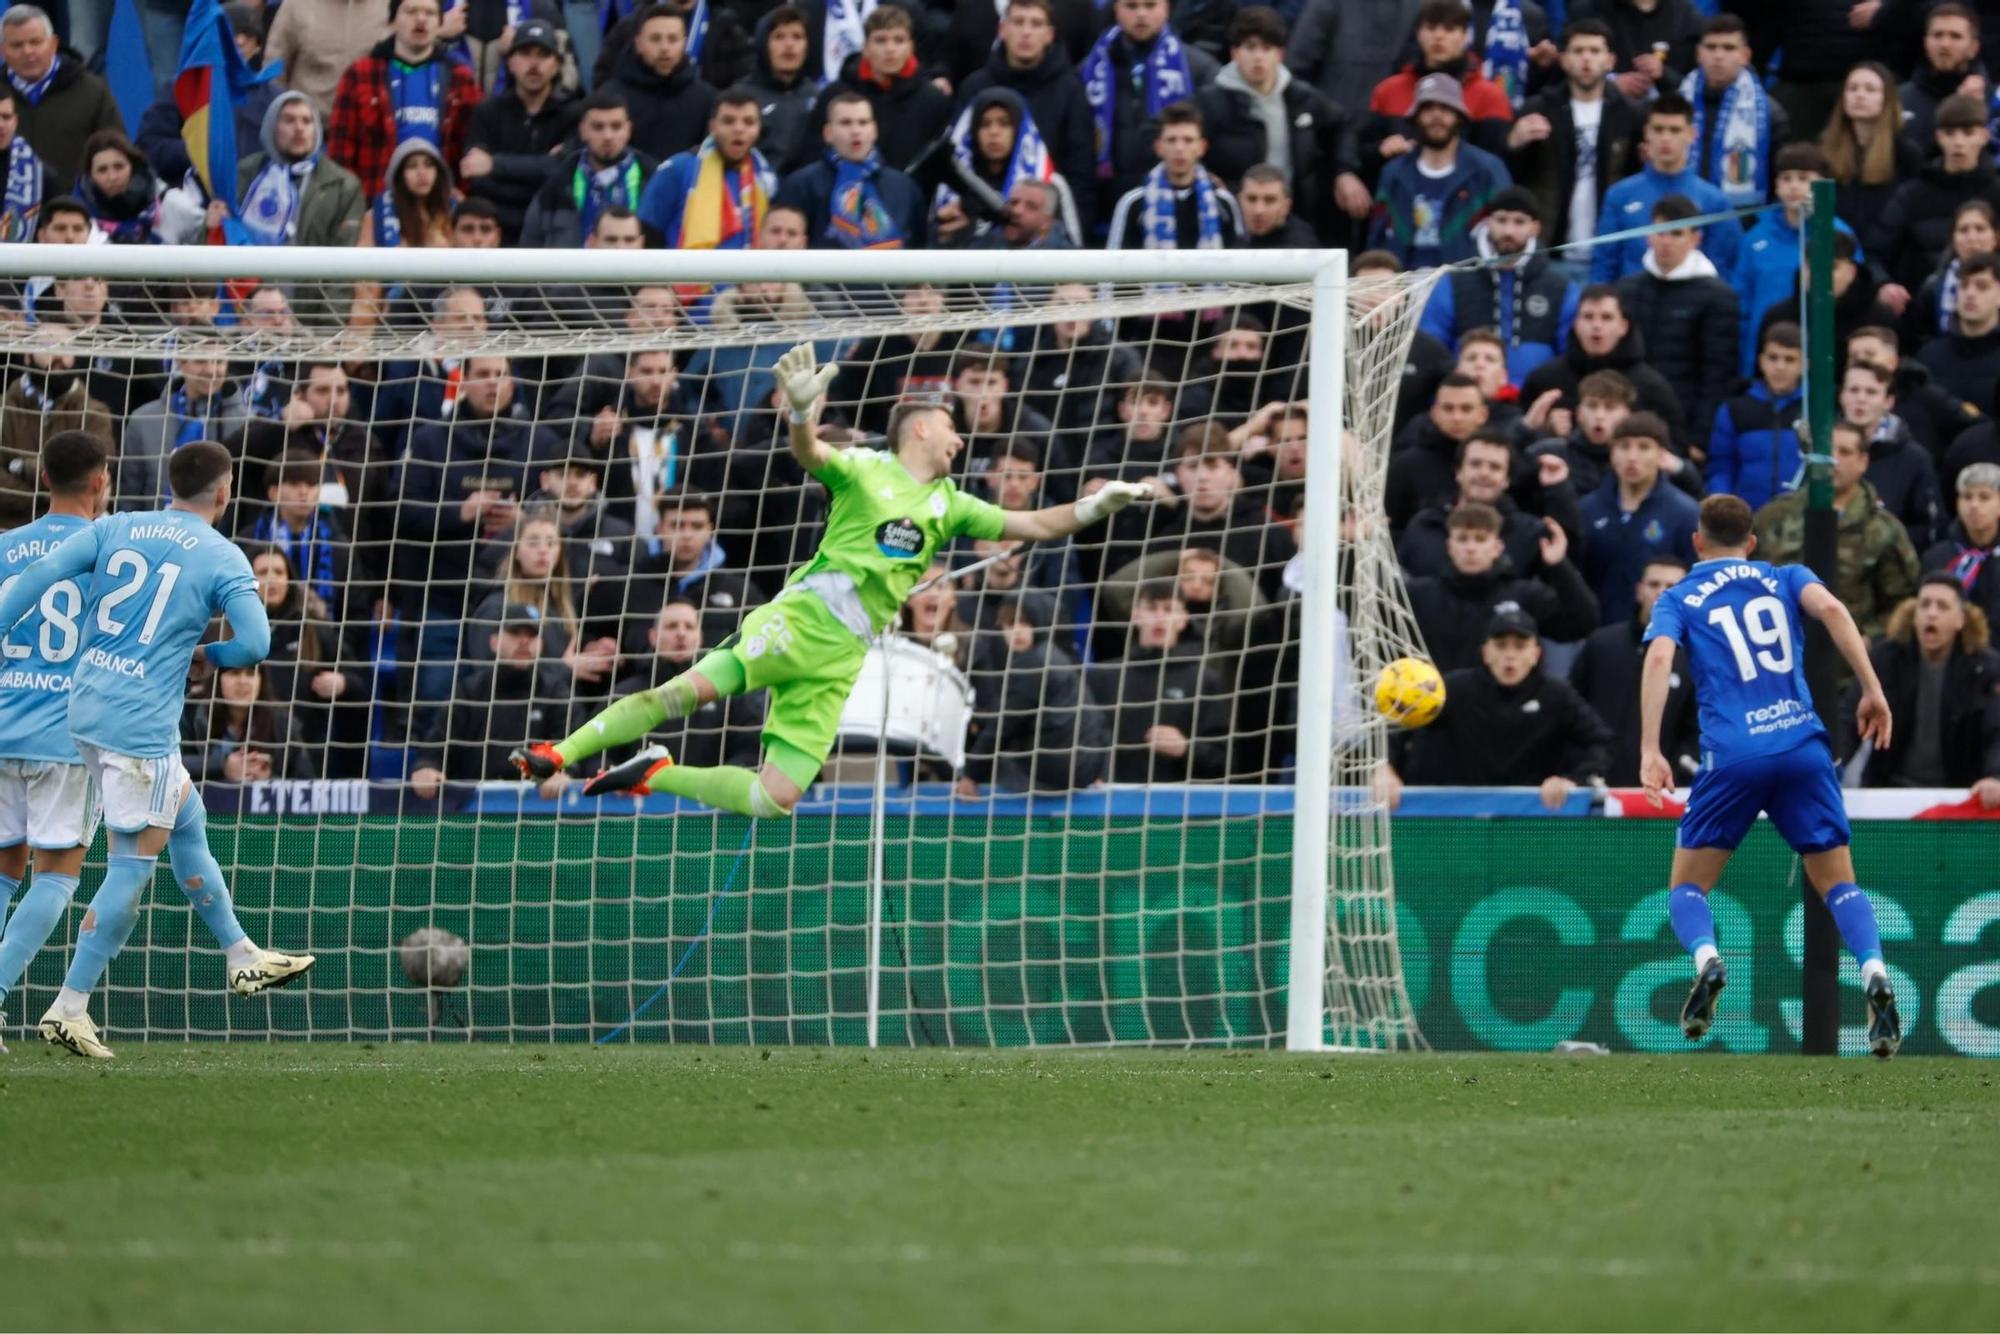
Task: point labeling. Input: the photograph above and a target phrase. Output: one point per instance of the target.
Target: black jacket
(1935, 415)
(810, 190)
(447, 462)
(1322, 143)
(1245, 534)
(1692, 327)
(1923, 90)
(1968, 713)
(1628, 358)
(1856, 308)
(669, 115)
(1915, 225)
(521, 144)
(1985, 591)
(496, 707)
(1905, 481)
(1148, 688)
(1606, 673)
(1073, 386)
(785, 105)
(1132, 130)
(1491, 735)
(1965, 366)
(1981, 444)
(1429, 362)
(1061, 112)
(1635, 33)
(1423, 469)
(910, 115)
(974, 35)
(1035, 725)
(1548, 166)
(1454, 610)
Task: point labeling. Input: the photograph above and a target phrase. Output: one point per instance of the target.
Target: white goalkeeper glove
(804, 380)
(1113, 496)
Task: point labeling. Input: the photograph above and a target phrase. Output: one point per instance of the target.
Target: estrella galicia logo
(899, 539)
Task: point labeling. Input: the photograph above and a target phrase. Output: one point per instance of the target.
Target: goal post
(1109, 911)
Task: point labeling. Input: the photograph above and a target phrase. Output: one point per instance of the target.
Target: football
(434, 957)
(1409, 693)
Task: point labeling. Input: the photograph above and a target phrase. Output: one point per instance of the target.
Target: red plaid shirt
(362, 132)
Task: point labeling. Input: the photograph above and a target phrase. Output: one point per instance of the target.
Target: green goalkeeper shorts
(809, 662)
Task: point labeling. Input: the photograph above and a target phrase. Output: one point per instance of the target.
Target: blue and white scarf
(1156, 217)
(1031, 160)
(1506, 60)
(1735, 155)
(416, 92)
(697, 26)
(34, 91)
(267, 391)
(1948, 296)
(310, 549)
(1165, 72)
(271, 205)
(388, 225)
(22, 203)
(843, 36)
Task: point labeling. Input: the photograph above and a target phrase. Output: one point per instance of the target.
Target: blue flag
(211, 80)
(128, 66)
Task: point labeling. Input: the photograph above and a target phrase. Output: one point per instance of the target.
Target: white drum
(915, 697)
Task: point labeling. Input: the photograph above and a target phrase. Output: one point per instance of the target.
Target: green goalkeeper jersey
(883, 530)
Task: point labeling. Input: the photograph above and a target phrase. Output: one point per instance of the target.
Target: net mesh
(1060, 808)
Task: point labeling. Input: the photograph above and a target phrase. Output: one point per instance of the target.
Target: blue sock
(1855, 916)
(1694, 924)
(114, 911)
(9, 887)
(198, 875)
(33, 922)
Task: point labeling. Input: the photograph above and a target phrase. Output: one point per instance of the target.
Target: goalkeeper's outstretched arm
(804, 381)
(1056, 521)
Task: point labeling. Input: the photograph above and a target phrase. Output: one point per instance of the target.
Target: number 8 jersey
(39, 654)
(1744, 633)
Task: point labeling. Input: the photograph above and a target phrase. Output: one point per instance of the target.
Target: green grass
(303, 1187)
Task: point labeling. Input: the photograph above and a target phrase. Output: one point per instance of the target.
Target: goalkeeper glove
(803, 379)
(1113, 497)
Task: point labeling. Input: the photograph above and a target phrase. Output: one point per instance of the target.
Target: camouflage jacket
(1878, 566)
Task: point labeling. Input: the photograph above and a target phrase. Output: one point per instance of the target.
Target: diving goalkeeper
(891, 515)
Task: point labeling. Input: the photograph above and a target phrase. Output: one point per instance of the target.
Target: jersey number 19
(1761, 639)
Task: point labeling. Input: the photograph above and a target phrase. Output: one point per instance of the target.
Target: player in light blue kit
(1763, 747)
(154, 579)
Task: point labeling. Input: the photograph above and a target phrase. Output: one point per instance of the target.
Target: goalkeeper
(892, 514)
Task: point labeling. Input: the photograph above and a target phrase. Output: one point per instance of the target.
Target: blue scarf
(417, 94)
(1947, 296)
(1157, 215)
(842, 33)
(697, 29)
(266, 393)
(1031, 158)
(593, 191)
(35, 91)
(1164, 72)
(857, 219)
(1507, 50)
(310, 549)
(1734, 154)
(194, 423)
(270, 211)
(388, 226)
(22, 203)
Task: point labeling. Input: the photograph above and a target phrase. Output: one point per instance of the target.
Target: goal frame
(1326, 271)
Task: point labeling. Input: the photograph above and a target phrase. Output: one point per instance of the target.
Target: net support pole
(1312, 810)
(1819, 972)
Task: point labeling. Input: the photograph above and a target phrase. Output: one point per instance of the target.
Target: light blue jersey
(35, 674)
(155, 580)
(1744, 633)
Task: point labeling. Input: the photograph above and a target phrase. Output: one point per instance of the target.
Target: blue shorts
(1799, 789)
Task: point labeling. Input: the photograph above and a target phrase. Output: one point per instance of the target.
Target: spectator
(784, 88)
(1949, 64)
(1606, 674)
(1036, 726)
(1345, 50)
(311, 538)
(1603, 339)
(995, 147)
(1973, 232)
(1454, 608)
(1137, 69)
(1858, 302)
(636, 430)
(318, 39)
(1136, 444)
(910, 112)
(48, 397)
(1669, 139)
(599, 543)
(1485, 466)
(722, 731)
(495, 708)
(1878, 566)
(602, 172)
(406, 87)
(1429, 198)
(1029, 60)
(358, 476)
(291, 192)
(1654, 43)
(119, 189)
(850, 200)
(1767, 266)
(1604, 400)
(1518, 294)
(1265, 202)
(1633, 516)
(1428, 362)
(60, 104)
(28, 179)
(1428, 453)
(684, 558)
(244, 735)
(1169, 714)
(1572, 142)
(1966, 361)
(266, 321)
(199, 404)
(1688, 316)
(1753, 451)
(514, 135)
(530, 567)
(1899, 468)
(984, 407)
(1942, 680)
(309, 666)
(1257, 114)
(1736, 123)
(1038, 217)
(1214, 512)
(1867, 154)
(1970, 549)
(1180, 206)
(712, 198)
(1505, 724)
(414, 208)
(931, 617)
(1914, 227)
(1444, 40)
(668, 102)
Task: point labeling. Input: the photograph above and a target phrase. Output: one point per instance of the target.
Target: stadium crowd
(463, 553)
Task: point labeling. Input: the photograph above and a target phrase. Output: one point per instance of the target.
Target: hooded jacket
(1691, 321)
(1968, 720)
(1035, 725)
(361, 132)
(1753, 452)
(1915, 225)
(1491, 735)
(1454, 609)
(1318, 137)
(669, 113)
(1061, 112)
(1628, 358)
(331, 203)
(784, 106)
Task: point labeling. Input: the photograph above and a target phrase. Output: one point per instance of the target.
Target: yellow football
(1410, 693)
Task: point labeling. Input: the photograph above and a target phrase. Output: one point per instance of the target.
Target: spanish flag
(212, 78)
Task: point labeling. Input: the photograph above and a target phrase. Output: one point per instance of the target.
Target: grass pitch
(311, 1187)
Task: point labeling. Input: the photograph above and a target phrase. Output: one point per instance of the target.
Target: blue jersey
(1744, 633)
(155, 580)
(35, 675)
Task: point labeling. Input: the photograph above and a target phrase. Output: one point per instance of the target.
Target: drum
(916, 698)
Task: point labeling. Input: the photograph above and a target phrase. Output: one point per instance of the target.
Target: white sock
(243, 953)
(1702, 954)
(71, 1003)
(1870, 969)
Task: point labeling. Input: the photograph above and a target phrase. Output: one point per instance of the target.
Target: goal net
(1106, 790)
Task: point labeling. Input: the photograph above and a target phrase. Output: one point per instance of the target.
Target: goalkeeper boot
(1885, 1026)
(632, 777)
(269, 970)
(537, 761)
(1699, 1012)
(75, 1034)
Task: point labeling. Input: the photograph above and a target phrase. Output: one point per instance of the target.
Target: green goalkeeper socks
(726, 787)
(628, 720)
